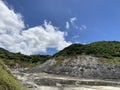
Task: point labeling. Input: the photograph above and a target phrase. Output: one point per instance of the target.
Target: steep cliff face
(83, 66)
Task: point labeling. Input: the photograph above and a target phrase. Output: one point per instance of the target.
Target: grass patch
(59, 60)
(113, 60)
(7, 81)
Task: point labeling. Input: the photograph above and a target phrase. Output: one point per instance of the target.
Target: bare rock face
(83, 66)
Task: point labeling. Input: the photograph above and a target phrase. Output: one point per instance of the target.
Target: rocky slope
(83, 66)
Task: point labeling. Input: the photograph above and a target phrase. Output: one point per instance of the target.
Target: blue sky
(81, 21)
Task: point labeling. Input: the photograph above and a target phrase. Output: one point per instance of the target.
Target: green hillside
(7, 81)
(12, 59)
(105, 49)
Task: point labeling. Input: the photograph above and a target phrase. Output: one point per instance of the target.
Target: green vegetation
(103, 49)
(7, 81)
(59, 60)
(107, 49)
(113, 60)
(13, 59)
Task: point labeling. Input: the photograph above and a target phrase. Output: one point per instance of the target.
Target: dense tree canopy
(101, 49)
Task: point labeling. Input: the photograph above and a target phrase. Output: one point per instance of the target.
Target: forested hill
(23, 60)
(105, 49)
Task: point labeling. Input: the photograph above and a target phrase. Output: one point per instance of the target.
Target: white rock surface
(28, 79)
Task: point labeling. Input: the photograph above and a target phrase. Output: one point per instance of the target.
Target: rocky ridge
(83, 66)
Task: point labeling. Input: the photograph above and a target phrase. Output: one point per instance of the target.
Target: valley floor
(78, 88)
(44, 81)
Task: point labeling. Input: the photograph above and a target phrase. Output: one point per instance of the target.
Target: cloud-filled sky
(47, 26)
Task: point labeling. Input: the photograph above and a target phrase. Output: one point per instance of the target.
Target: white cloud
(9, 20)
(37, 39)
(65, 33)
(72, 20)
(76, 36)
(80, 27)
(67, 25)
(78, 42)
(83, 27)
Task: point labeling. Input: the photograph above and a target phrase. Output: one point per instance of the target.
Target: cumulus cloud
(67, 25)
(37, 39)
(9, 20)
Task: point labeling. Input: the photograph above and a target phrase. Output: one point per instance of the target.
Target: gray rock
(84, 66)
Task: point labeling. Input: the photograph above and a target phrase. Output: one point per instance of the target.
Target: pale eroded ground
(28, 78)
(78, 88)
